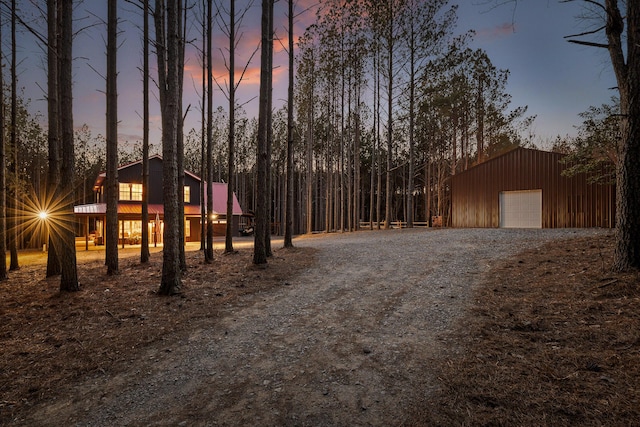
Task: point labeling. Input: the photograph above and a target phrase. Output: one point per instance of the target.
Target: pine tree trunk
(182, 18)
(53, 136)
(390, 46)
(112, 189)
(13, 168)
(168, 36)
(288, 216)
(260, 251)
(144, 247)
(627, 248)
(357, 200)
(208, 253)
(228, 240)
(69, 276)
(203, 141)
(412, 101)
(309, 210)
(267, 236)
(3, 180)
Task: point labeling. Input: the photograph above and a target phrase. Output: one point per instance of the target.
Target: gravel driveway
(352, 341)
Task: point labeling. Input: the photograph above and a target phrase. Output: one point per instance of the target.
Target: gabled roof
(511, 153)
(103, 175)
(219, 190)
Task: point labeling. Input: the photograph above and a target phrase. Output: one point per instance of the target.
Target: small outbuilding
(525, 188)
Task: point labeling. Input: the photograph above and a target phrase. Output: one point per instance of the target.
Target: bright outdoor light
(43, 215)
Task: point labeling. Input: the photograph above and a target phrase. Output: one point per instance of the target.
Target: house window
(129, 191)
(187, 194)
(130, 232)
(187, 228)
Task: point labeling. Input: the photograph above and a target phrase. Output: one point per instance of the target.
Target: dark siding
(155, 181)
(566, 202)
(133, 174)
(194, 194)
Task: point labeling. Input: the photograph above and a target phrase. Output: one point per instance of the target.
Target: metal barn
(525, 188)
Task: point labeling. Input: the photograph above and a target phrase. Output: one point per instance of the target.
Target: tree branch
(586, 33)
(593, 2)
(591, 44)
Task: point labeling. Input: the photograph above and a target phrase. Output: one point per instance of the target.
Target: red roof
(220, 199)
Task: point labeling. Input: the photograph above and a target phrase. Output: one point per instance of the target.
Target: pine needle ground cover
(552, 338)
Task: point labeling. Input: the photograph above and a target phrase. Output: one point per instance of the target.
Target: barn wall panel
(567, 201)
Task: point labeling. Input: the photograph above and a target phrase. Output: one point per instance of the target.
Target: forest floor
(445, 332)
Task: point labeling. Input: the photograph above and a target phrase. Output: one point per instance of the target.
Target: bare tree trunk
(261, 251)
(309, 209)
(112, 190)
(390, 46)
(182, 19)
(13, 168)
(372, 188)
(427, 186)
(340, 200)
(3, 179)
(373, 210)
(144, 248)
(203, 139)
(329, 186)
(69, 276)
(347, 170)
(53, 138)
(356, 159)
(288, 212)
(379, 169)
(627, 249)
(168, 51)
(412, 101)
(208, 253)
(228, 240)
(267, 236)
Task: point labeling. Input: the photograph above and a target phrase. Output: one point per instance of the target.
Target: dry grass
(553, 339)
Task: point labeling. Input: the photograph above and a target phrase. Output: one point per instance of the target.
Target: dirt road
(351, 341)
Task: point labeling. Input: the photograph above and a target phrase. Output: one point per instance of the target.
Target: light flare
(39, 215)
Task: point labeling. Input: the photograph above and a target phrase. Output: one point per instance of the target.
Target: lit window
(136, 192)
(130, 191)
(187, 194)
(125, 191)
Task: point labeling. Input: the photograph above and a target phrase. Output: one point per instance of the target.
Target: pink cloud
(497, 32)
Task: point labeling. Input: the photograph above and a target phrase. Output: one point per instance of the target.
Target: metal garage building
(524, 188)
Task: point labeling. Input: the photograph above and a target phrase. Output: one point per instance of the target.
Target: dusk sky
(556, 79)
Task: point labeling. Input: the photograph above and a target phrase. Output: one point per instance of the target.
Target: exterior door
(521, 209)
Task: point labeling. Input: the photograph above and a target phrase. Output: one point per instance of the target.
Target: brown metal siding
(566, 202)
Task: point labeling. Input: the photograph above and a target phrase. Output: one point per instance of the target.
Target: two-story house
(130, 205)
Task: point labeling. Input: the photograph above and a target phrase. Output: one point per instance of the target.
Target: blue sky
(557, 80)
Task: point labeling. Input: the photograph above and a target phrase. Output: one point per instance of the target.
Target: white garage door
(521, 209)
